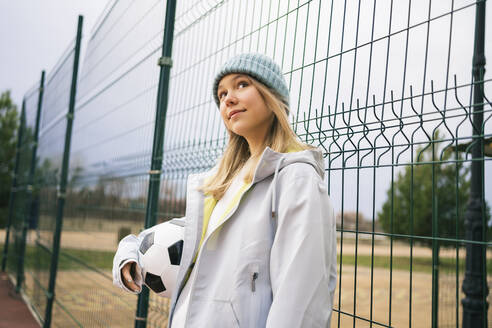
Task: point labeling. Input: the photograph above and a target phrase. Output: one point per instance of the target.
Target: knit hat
(258, 66)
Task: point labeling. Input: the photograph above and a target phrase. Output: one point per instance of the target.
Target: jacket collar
(270, 159)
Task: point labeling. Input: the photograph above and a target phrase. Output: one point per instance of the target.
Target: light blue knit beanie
(258, 66)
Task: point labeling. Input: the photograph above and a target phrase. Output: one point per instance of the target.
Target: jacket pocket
(224, 315)
(255, 296)
(249, 295)
(248, 298)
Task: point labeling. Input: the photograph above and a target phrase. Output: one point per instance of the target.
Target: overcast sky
(34, 34)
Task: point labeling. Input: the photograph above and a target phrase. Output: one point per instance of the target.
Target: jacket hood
(271, 162)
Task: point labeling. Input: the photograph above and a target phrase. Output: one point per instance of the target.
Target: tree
(451, 194)
(9, 121)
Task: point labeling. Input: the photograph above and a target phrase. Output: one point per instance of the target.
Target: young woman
(260, 241)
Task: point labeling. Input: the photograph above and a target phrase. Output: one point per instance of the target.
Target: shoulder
(199, 176)
(299, 180)
(297, 171)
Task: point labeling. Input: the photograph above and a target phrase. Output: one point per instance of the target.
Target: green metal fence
(20, 215)
(394, 92)
(41, 179)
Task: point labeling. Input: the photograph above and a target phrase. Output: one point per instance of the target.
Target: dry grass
(90, 298)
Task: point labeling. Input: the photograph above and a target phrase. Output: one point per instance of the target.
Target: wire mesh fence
(19, 192)
(385, 88)
(52, 135)
(110, 157)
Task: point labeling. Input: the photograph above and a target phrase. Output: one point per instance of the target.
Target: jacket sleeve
(128, 252)
(303, 256)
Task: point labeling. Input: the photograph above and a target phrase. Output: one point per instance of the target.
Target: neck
(255, 156)
(257, 137)
(256, 153)
(256, 146)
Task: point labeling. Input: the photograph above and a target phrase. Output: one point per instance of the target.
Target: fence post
(63, 180)
(28, 204)
(13, 191)
(475, 305)
(435, 248)
(165, 62)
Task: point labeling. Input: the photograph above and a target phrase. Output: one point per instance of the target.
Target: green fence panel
(30, 206)
(110, 158)
(14, 190)
(165, 63)
(384, 88)
(41, 262)
(62, 187)
(21, 210)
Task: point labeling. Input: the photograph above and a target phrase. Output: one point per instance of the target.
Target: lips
(235, 111)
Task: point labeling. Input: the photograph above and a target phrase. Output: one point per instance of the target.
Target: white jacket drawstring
(274, 187)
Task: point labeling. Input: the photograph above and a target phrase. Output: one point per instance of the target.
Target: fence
(384, 88)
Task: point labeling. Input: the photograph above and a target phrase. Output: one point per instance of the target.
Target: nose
(230, 99)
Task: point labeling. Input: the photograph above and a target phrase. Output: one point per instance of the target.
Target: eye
(242, 84)
(222, 94)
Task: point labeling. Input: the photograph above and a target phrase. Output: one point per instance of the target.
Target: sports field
(88, 298)
(92, 299)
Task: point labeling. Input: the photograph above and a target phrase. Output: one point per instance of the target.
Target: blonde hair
(280, 138)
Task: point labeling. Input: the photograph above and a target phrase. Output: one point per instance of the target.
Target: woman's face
(242, 107)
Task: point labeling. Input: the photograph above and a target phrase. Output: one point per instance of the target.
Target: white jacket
(272, 262)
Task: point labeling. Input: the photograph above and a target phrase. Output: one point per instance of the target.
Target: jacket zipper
(253, 281)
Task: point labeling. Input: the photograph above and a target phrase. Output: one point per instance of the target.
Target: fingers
(127, 278)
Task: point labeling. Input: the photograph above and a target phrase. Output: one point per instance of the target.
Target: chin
(239, 131)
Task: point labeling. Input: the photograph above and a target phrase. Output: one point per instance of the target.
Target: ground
(90, 299)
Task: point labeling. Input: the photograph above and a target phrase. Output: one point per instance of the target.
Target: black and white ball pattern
(160, 256)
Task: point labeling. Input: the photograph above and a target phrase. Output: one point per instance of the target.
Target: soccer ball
(160, 256)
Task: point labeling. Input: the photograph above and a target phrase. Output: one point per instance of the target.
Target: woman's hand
(128, 276)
